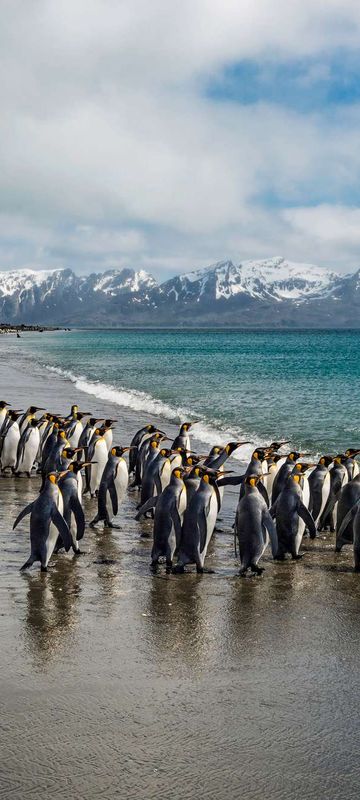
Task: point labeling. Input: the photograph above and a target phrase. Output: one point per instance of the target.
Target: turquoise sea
(261, 385)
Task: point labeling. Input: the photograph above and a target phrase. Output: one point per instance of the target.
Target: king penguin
(46, 522)
(254, 527)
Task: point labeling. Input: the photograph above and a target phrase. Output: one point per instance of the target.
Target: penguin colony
(281, 497)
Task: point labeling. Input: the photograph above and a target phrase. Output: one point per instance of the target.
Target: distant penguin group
(282, 498)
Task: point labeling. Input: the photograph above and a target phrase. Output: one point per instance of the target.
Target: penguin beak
(87, 463)
(241, 443)
(126, 449)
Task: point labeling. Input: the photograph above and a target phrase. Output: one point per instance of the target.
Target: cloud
(112, 153)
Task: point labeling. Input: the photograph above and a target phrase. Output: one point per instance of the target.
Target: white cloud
(111, 154)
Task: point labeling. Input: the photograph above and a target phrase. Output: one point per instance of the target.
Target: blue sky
(166, 136)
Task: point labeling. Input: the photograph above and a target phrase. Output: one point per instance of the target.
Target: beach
(117, 683)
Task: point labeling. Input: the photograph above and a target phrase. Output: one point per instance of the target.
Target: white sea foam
(143, 402)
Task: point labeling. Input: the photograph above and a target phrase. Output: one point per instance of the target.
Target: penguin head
(293, 456)
(108, 423)
(185, 427)
(276, 445)
(119, 451)
(252, 480)
(178, 473)
(340, 459)
(74, 409)
(34, 423)
(259, 454)
(94, 420)
(69, 452)
(300, 467)
(215, 450)
(325, 461)
(150, 428)
(3, 404)
(76, 466)
(351, 452)
(165, 452)
(231, 446)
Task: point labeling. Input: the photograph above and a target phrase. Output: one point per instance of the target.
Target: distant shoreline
(5, 328)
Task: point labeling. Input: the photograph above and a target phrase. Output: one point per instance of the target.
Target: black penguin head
(215, 450)
(76, 466)
(252, 480)
(69, 452)
(231, 446)
(14, 415)
(34, 423)
(191, 461)
(185, 427)
(34, 409)
(340, 458)
(178, 473)
(300, 467)
(74, 409)
(293, 456)
(276, 445)
(154, 443)
(325, 461)
(108, 423)
(351, 453)
(93, 420)
(259, 454)
(3, 404)
(150, 428)
(119, 451)
(165, 452)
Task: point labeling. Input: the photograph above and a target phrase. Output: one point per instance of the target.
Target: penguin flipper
(23, 513)
(62, 527)
(175, 516)
(113, 497)
(347, 519)
(272, 511)
(271, 529)
(150, 503)
(202, 529)
(235, 480)
(78, 512)
(263, 491)
(307, 518)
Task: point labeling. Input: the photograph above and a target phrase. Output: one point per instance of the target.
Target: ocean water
(258, 385)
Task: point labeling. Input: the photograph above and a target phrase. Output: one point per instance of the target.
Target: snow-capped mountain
(266, 293)
(271, 279)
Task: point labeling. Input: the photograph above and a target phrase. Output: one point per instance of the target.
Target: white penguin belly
(9, 451)
(121, 480)
(97, 469)
(210, 525)
(30, 451)
(74, 438)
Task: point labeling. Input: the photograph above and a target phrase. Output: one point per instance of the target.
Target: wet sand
(120, 684)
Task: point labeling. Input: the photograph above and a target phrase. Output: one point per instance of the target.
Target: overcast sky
(168, 135)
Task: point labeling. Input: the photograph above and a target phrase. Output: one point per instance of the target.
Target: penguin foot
(357, 569)
(78, 553)
(43, 569)
(337, 549)
(297, 556)
(179, 569)
(257, 570)
(279, 557)
(205, 571)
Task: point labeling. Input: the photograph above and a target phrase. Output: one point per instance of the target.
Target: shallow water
(258, 385)
(120, 684)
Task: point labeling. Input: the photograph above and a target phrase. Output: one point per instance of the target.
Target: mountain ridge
(270, 292)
